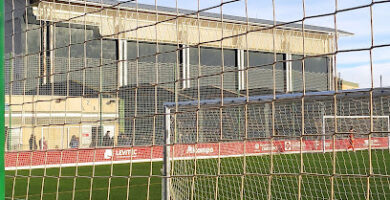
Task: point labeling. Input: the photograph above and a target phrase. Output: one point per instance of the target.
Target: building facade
(74, 68)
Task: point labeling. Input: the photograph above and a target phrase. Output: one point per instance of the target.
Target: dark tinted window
(316, 73)
(33, 38)
(131, 51)
(77, 45)
(78, 35)
(110, 49)
(229, 56)
(260, 74)
(210, 56)
(264, 59)
(169, 56)
(296, 63)
(317, 65)
(194, 58)
(62, 41)
(147, 52)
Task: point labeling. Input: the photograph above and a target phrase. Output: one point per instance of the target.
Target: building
(82, 68)
(348, 85)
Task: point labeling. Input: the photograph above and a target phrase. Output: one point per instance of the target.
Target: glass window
(131, 51)
(78, 35)
(61, 41)
(167, 57)
(296, 73)
(194, 65)
(33, 38)
(230, 57)
(109, 48)
(316, 65)
(260, 74)
(211, 68)
(99, 53)
(147, 52)
(13, 18)
(316, 73)
(77, 45)
(147, 68)
(210, 56)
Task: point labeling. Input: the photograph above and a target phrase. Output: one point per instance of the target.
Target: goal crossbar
(352, 93)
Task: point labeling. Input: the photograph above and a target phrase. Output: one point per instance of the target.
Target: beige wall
(347, 85)
(45, 103)
(56, 118)
(128, 24)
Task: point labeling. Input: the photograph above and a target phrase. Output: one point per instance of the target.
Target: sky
(352, 66)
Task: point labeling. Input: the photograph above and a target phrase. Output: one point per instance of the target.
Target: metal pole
(2, 102)
(323, 132)
(380, 81)
(166, 161)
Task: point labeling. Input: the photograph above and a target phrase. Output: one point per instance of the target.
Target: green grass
(138, 184)
(350, 181)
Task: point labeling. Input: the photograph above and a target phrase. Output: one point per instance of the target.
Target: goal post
(166, 154)
(364, 121)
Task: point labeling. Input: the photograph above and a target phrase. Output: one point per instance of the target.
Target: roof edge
(208, 15)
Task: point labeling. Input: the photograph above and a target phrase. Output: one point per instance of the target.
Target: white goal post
(324, 125)
(166, 158)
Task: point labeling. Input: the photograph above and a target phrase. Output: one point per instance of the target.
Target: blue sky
(353, 66)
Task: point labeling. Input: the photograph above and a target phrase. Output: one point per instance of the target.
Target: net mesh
(228, 151)
(257, 107)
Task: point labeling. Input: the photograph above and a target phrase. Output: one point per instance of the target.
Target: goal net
(194, 99)
(228, 147)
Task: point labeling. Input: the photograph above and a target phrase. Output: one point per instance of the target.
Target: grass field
(350, 181)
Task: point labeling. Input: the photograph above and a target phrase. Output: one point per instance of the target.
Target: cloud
(379, 55)
(362, 74)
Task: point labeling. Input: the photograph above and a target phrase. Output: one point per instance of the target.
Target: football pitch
(349, 181)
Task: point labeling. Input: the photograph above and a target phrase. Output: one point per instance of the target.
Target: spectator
(42, 144)
(121, 139)
(107, 141)
(74, 143)
(126, 140)
(78, 142)
(32, 142)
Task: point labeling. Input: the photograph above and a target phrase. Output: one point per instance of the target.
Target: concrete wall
(57, 118)
(128, 24)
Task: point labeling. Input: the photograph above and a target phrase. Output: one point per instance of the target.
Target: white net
(235, 150)
(258, 107)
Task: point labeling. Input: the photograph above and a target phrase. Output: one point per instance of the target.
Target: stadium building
(71, 73)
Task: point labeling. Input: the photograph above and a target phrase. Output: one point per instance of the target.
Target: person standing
(32, 142)
(121, 139)
(42, 144)
(74, 143)
(351, 138)
(107, 139)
